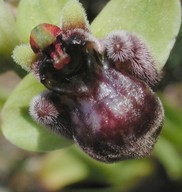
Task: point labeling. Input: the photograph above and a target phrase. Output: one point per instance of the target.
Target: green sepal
(19, 127)
(156, 21)
(31, 13)
(8, 34)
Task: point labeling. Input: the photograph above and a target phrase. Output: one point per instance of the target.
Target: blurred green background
(71, 170)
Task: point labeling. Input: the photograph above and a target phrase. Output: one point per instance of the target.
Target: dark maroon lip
(99, 93)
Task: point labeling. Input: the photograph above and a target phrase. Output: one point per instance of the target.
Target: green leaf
(18, 126)
(33, 12)
(168, 149)
(123, 174)
(4, 93)
(8, 37)
(61, 168)
(156, 21)
(169, 156)
(172, 124)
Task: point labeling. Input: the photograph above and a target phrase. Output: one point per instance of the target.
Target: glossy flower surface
(98, 91)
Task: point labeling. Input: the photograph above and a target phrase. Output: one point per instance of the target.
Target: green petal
(19, 128)
(34, 12)
(8, 37)
(74, 16)
(24, 56)
(157, 21)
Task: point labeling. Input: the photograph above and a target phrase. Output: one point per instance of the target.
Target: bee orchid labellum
(99, 93)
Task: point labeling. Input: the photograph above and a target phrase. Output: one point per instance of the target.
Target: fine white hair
(42, 110)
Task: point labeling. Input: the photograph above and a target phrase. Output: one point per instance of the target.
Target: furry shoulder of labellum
(45, 110)
(128, 52)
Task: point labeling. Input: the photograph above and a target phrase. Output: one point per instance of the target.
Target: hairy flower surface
(99, 91)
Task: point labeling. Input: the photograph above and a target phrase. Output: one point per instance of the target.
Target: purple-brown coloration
(48, 110)
(120, 120)
(129, 53)
(99, 93)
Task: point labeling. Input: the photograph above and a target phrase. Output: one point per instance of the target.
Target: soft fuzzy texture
(101, 98)
(130, 53)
